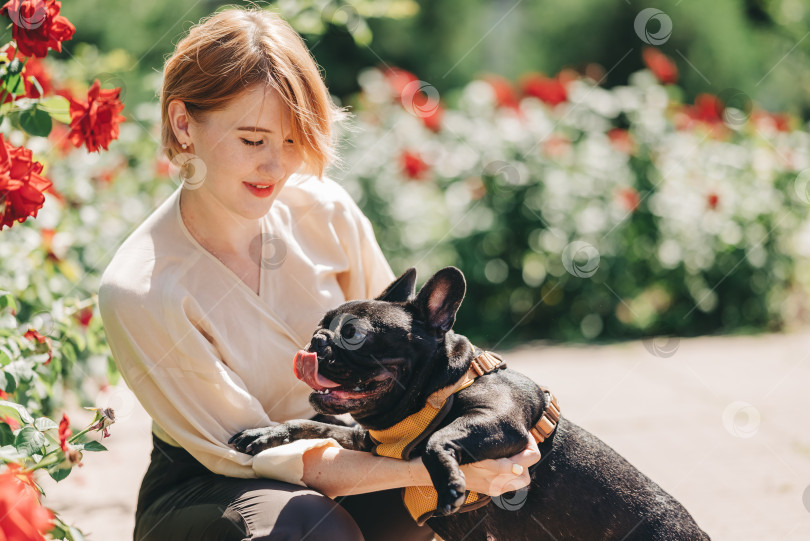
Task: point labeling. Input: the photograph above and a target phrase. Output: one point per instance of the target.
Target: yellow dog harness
(399, 440)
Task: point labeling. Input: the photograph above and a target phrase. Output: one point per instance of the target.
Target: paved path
(719, 422)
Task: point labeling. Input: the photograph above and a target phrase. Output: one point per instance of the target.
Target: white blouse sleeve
(161, 349)
(369, 272)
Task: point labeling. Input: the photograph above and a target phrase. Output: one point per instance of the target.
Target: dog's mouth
(306, 369)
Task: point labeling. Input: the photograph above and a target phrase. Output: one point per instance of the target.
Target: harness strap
(399, 440)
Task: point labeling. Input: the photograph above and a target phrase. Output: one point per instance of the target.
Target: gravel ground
(718, 422)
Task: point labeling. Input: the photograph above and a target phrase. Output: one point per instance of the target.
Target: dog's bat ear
(440, 298)
(401, 289)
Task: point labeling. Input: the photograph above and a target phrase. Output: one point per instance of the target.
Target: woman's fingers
(530, 455)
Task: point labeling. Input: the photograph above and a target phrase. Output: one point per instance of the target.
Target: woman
(207, 301)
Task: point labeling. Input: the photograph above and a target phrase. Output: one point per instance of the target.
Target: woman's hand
(495, 477)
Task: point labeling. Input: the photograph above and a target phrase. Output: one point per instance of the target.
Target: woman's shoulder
(149, 252)
(304, 190)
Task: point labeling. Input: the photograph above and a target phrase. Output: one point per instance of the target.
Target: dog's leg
(255, 440)
(465, 440)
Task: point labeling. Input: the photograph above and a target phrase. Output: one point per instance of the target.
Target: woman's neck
(215, 228)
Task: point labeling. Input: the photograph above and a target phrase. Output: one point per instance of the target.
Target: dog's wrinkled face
(364, 356)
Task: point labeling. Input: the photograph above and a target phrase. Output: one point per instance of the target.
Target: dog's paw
(452, 497)
(255, 440)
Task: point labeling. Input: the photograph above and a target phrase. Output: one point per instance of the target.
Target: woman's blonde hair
(227, 52)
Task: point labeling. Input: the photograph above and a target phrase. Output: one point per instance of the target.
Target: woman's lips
(260, 192)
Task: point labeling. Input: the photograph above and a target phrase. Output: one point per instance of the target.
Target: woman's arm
(334, 471)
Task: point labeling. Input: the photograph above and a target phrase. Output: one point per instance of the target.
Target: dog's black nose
(319, 343)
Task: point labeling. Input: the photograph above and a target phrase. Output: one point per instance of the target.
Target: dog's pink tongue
(305, 367)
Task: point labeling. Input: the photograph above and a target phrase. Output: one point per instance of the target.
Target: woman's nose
(272, 164)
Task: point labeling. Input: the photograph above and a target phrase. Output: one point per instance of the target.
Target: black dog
(384, 361)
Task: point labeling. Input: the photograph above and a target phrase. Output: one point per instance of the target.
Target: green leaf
(6, 434)
(69, 352)
(60, 474)
(7, 300)
(58, 532)
(18, 411)
(36, 122)
(30, 441)
(75, 535)
(58, 107)
(9, 453)
(43, 423)
(14, 117)
(94, 446)
(8, 382)
(13, 83)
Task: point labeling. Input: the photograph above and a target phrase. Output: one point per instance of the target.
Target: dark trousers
(181, 500)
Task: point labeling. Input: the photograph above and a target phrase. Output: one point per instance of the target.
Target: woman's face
(247, 143)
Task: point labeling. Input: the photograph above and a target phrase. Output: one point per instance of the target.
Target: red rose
(629, 198)
(413, 165)
(37, 25)
(712, 200)
(64, 432)
(505, 95)
(34, 336)
(660, 64)
(707, 108)
(399, 79)
(433, 118)
(31, 334)
(771, 121)
(85, 315)
(622, 140)
(95, 122)
(21, 185)
(546, 89)
(22, 518)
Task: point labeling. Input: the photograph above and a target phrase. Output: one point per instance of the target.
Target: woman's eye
(289, 141)
(251, 143)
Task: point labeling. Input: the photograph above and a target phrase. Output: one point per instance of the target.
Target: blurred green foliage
(757, 46)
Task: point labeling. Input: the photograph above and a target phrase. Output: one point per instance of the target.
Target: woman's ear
(179, 119)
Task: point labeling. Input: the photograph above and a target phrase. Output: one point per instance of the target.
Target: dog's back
(581, 488)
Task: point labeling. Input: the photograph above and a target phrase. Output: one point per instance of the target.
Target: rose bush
(581, 213)
(45, 332)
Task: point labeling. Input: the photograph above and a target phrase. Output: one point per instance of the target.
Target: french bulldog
(381, 359)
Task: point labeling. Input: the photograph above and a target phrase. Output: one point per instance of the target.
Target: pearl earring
(184, 145)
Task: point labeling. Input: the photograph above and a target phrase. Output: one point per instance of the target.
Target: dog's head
(374, 356)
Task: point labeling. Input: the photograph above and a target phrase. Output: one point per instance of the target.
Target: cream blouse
(205, 355)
